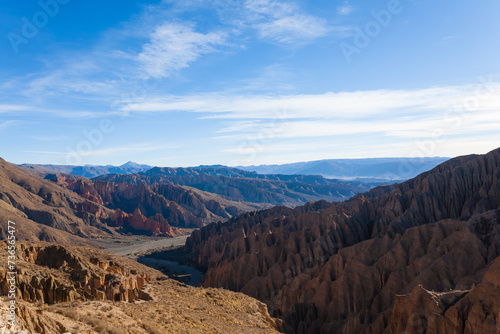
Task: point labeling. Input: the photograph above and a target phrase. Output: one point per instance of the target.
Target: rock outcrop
(67, 289)
(53, 274)
(339, 267)
(156, 225)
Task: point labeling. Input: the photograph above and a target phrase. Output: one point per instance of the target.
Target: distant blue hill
(371, 171)
(89, 171)
(375, 169)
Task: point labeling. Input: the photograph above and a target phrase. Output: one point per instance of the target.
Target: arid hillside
(45, 209)
(67, 289)
(47, 212)
(413, 257)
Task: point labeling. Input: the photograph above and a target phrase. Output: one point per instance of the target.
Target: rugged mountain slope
(242, 186)
(180, 206)
(62, 289)
(33, 202)
(333, 268)
(93, 208)
(44, 211)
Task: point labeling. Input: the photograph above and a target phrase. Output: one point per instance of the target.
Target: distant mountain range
(154, 202)
(89, 171)
(376, 170)
(243, 186)
(395, 169)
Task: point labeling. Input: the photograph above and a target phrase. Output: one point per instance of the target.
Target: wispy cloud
(6, 124)
(119, 62)
(13, 108)
(279, 22)
(54, 112)
(294, 29)
(173, 47)
(345, 10)
(158, 43)
(284, 22)
(342, 105)
(398, 114)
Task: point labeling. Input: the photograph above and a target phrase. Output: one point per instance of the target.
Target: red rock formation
(179, 206)
(337, 268)
(156, 225)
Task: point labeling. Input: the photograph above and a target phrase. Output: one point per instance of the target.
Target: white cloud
(12, 109)
(293, 29)
(343, 105)
(174, 46)
(397, 115)
(345, 9)
(284, 22)
(6, 124)
(156, 44)
(117, 65)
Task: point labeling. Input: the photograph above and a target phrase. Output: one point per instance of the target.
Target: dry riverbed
(137, 246)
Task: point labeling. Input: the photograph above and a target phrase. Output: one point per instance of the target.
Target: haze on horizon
(185, 83)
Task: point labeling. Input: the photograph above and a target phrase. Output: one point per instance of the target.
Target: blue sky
(183, 83)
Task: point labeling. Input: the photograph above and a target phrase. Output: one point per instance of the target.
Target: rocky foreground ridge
(68, 289)
(416, 257)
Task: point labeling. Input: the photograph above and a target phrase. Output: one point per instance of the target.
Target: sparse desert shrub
(102, 326)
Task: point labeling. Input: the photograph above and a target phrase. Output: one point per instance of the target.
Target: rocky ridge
(338, 267)
(53, 274)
